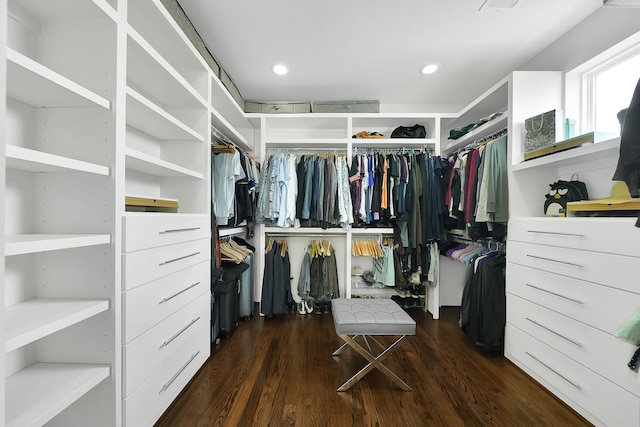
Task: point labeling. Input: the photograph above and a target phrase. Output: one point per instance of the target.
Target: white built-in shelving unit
(104, 99)
(332, 133)
(568, 286)
(60, 281)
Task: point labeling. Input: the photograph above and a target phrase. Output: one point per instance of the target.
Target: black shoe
(422, 291)
(415, 293)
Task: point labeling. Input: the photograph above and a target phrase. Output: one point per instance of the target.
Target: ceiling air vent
(498, 4)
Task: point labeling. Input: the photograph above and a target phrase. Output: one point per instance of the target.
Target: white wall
(601, 30)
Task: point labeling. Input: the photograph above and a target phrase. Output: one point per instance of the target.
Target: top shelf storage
(154, 23)
(229, 118)
(493, 100)
(336, 130)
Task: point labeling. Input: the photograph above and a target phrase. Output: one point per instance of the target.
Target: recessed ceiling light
(280, 69)
(429, 69)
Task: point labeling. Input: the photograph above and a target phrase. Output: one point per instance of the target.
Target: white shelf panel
(152, 20)
(148, 117)
(37, 161)
(302, 231)
(228, 130)
(393, 143)
(19, 244)
(573, 156)
(486, 129)
(40, 392)
(372, 231)
(309, 144)
(33, 319)
(38, 86)
(68, 9)
(142, 162)
(231, 231)
(150, 73)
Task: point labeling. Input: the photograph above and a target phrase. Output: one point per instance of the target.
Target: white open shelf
(486, 129)
(302, 231)
(38, 86)
(41, 391)
(372, 231)
(31, 320)
(68, 9)
(142, 162)
(19, 244)
(310, 145)
(148, 117)
(573, 156)
(228, 130)
(154, 22)
(151, 74)
(393, 143)
(25, 159)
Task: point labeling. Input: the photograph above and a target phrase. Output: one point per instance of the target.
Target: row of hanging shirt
(312, 190)
(234, 177)
(477, 195)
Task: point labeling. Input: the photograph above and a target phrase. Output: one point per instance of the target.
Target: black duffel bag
(415, 131)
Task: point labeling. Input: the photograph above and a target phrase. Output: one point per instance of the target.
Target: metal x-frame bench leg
(374, 361)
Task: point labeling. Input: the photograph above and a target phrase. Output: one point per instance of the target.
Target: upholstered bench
(365, 318)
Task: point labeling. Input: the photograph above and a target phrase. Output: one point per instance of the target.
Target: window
(600, 88)
(612, 89)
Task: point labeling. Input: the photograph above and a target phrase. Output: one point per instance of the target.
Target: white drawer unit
(602, 307)
(145, 266)
(598, 399)
(599, 351)
(149, 304)
(570, 286)
(144, 354)
(144, 406)
(145, 231)
(605, 269)
(608, 235)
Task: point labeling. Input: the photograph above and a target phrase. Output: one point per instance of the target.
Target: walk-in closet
(267, 213)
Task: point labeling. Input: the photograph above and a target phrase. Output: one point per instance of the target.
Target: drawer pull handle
(178, 293)
(168, 384)
(576, 343)
(179, 258)
(178, 230)
(167, 342)
(555, 260)
(555, 233)
(554, 371)
(577, 301)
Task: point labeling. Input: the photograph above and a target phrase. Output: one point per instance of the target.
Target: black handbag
(561, 193)
(415, 131)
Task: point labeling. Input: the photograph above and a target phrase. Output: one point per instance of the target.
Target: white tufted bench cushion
(371, 317)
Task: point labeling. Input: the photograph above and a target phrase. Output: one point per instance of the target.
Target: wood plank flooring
(280, 372)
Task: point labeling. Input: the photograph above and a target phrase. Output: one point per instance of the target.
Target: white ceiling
(341, 50)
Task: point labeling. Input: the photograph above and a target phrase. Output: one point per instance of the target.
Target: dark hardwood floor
(280, 372)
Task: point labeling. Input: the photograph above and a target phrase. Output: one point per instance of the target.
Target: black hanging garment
(628, 169)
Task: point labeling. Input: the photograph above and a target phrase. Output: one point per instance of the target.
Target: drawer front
(608, 235)
(596, 267)
(153, 397)
(576, 385)
(151, 231)
(601, 352)
(600, 306)
(148, 304)
(144, 354)
(145, 266)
